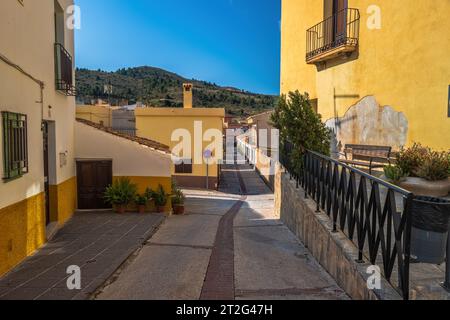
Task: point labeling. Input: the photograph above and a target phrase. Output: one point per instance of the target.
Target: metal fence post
(446, 284)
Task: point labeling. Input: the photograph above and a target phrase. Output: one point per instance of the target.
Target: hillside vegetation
(159, 88)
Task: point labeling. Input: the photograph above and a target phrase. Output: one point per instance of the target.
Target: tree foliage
(300, 127)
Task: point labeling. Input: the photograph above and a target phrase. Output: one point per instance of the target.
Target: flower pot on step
(160, 209)
(178, 209)
(141, 209)
(121, 208)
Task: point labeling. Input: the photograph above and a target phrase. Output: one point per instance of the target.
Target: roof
(142, 141)
(261, 114)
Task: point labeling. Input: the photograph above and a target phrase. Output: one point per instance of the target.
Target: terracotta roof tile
(142, 141)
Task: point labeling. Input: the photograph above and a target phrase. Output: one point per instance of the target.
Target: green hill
(159, 88)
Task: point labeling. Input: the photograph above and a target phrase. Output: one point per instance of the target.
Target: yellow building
(100, 114)
(38, 184)
(379, 72)
(175, 126)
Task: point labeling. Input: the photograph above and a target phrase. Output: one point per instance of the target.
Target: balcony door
(339, 21)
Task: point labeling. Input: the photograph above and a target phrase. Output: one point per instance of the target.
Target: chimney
(187, 94)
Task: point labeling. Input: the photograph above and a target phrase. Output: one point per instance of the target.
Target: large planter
(422, 187)
(430, 227)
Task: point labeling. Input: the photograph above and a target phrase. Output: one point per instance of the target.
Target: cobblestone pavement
(96, 242)
(229, 245)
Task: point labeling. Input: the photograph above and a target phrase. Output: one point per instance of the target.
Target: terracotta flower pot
(141, 209)
(121, 208)
(160, 209)
(178, 209)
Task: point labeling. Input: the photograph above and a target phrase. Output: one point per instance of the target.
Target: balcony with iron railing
(64, 71)
(336, 35)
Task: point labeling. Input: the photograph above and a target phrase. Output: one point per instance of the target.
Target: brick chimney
(187, 95)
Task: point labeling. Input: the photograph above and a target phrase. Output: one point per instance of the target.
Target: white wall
(27, 39)
(129, 157)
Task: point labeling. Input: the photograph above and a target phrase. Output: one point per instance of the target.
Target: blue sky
(229, 42)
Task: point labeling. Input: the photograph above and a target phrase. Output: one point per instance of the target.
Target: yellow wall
(22, 228)
(159, 123)
(405, 64)
(63, 200)
(96, 114)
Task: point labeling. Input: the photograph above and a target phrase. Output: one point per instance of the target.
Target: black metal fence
(371, 212)
(342, 28)
(64, 71)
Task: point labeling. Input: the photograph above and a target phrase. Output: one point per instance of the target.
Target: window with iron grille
(15, 145)
(185, 167)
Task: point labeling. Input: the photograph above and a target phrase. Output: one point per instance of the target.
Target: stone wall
(334, 251)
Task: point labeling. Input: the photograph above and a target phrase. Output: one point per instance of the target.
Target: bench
(367, 156)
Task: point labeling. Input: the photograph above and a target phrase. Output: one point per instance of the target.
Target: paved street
(229, 245)
(96, 242)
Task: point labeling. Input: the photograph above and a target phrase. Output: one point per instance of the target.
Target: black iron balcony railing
(64, 71)
(341, 30)
(371, 212)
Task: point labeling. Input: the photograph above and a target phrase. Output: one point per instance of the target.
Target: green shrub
(301, 126)
(160, 196)
(435, 166)
(410, 159)
(177, 197)
(394, 173)
(141, 199)
(121, 192)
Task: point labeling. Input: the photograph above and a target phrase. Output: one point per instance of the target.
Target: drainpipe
(40, 83)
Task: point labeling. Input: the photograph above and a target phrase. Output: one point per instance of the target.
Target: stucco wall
(27, 34)
(28, 38)
(158, 124)
(129, 158)
(404, 64)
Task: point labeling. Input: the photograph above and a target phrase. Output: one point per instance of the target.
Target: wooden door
(93, 177)
(340, 20)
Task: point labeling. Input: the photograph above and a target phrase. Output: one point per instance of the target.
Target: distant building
(160, 123)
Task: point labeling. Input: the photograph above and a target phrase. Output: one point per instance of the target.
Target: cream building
(164, 125)
(38, 185)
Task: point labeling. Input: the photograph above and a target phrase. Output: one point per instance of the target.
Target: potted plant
(177, 199)
(427, 171)
(160, 197)
(120, 194)
(394, 174)
(141, 201)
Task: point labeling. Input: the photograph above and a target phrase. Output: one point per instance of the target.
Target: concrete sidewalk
(229, 245)
(96, 242)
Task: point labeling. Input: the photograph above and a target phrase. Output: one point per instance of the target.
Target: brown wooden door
(340, 23)
(93, 178)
